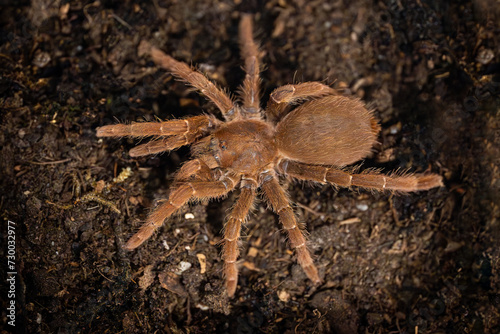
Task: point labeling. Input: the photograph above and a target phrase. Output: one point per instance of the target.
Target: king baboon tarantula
(250, 148)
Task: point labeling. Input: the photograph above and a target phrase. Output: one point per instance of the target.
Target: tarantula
(252, 146)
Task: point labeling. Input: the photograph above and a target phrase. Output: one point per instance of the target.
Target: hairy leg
(281, 205)
(250, 53)
(169, 134)
(178, 197)
(370, 179)
(195, 168)
(232, 230)
(192, 77)
(174, 127)
(159, 146)
(283, 96)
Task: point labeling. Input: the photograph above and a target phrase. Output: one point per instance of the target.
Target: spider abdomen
(334, 130)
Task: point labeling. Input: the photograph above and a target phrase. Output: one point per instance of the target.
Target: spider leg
(196, 168)
(283, 96)
(250, 89)
(178, 197)
(281, 205)
(182, 127)
(159, 145)
(369, 179)
(193, 78)
(169, 134)
(232, 230)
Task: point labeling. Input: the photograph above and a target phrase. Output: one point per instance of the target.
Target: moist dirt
(425, 262)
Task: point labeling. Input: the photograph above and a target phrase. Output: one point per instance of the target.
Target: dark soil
(425, 262)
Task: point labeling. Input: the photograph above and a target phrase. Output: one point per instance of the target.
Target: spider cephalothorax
(250, 149)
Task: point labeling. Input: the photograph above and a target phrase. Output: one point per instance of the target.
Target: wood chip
(350, 221)
(171, 282)
(250, 265)
(252, 252)
(202, 259)
(147, 279)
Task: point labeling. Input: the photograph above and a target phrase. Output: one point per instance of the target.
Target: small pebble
(202, 307)
(362, 206)
(182, 267)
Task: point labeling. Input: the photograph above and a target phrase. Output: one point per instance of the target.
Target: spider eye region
(223, 145)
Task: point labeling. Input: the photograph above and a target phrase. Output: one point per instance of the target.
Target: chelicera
(253, 146)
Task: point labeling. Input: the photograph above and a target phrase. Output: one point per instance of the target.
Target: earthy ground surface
(427, 262)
